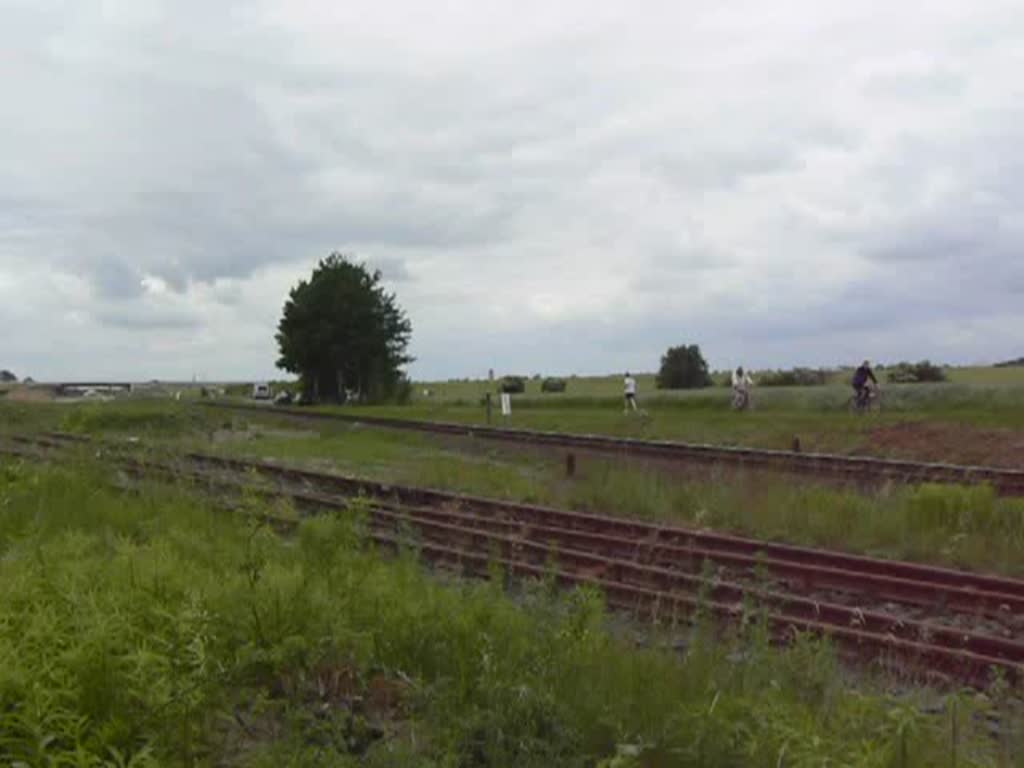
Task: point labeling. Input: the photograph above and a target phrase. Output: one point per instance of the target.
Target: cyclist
(741, 383)
(861, 377)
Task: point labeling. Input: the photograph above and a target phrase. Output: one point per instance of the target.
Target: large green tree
(683, 367)
(341, 331)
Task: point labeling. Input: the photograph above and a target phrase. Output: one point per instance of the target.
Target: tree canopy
(683, 367)
(343, 333)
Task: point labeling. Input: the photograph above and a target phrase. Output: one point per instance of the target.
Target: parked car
(261, 392)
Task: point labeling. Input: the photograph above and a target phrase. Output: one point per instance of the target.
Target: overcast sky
(549, 187)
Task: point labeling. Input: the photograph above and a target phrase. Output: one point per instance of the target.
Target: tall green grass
(150, 630)
(140, 418)
(143, 418)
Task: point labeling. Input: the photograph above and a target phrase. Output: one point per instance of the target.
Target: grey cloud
(141, 318)
(724, 160)
(937, 82)
(116, 280)
(955, 233)
(678, 268)
(758, 175)
(393, 269)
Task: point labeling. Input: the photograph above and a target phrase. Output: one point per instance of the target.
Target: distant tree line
(515, 385)
(683, 367)
(912, 373)
(512, 385)
(796, 377)
(1011, 363)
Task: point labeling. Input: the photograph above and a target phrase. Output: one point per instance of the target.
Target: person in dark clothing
(861, 377)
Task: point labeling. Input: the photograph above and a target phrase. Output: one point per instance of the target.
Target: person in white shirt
(629, 386)
(741, 384)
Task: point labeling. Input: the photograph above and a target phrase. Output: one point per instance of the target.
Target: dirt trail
(951, 443)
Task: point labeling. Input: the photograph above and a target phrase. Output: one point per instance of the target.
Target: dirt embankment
(949, 443)
(22, 393)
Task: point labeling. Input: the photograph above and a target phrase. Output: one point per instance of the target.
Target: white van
(261, 392)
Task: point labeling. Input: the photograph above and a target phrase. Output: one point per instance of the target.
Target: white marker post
(506, 404)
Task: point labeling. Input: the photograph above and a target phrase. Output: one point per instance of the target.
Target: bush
(401, 391)
(721, 379)
(683, 367)
(512, 385)
(553, 385)
(797, 377)
(910, 373)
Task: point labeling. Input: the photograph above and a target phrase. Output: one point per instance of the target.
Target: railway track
(965, 626)
(1008, 482)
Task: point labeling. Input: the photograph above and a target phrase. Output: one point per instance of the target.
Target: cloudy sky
(548, 187)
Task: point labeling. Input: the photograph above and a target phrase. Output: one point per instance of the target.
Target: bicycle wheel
(875, 403)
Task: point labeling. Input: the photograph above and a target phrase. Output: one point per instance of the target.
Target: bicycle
(741, 400)
(870, 401)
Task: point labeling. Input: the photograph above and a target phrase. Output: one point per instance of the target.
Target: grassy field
(817, 417)
(471, 390)
(154, 630)
(975, 418)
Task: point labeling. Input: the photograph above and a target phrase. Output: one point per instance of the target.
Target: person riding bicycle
(861, 377)
(741, 383)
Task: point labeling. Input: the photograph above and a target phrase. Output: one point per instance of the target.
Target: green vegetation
(963, 527)
(966, 527)
(683, 367)
(551, 384)
(610, 387)
(818, 415)
(141, 418)
(512, 385)
(152, 630)
(988, 376)
(795, 377)
(913, 373)
(342, 332)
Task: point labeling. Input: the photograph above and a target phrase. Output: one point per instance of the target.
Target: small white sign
(506, 404)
